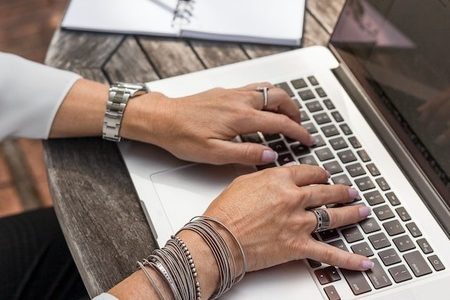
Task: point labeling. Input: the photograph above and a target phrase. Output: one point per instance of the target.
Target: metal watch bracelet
(119, 95)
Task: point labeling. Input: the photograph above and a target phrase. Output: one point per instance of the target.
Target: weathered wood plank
(214, 54)
(129, 64)
(171, 57)
(69, 49)
(314, 34)
(98, 210)
(326, 12)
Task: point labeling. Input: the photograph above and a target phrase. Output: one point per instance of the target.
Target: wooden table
(93, 195)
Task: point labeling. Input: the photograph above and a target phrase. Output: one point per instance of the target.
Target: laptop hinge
(391, 141)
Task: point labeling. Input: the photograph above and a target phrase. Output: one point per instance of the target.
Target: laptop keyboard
(390, 238)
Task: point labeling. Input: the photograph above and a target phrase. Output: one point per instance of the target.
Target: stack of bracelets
(175, 264)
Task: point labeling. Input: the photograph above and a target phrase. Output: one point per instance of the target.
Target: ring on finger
(323, 219)
(265, 92)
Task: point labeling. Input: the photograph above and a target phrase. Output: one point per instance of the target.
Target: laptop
(377, 102)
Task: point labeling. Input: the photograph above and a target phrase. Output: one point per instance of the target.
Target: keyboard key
(290, 140)
(331, 293)
(403, 214)
(266, 166)
(327, 275)
(306, 95)
(313, 263)
(251, 138)
(329, 130)
(379, 241)
(310, 127)
(297, 103)
(313, 80)
(378, 276)
(352, 234)
(337, 116)
(324, 154)
(308, 160)
(304, 116)
(318, 141)
(355, 170)
(383, 212)
(403, 243)
(373, 169)
(322, 118)
(363, 155)
(425, 246)
(357, 282)
(364, 183)
(345, 129)
(400, 273)
(285, 159)
(417, 263)
(392, 199)
(286, 88)
(373, 198)
(413, 229)
(362, 249)
(346, 156)
(354, 142)
(369, 225)
(299, 83)
(436, 263)
(341, 179)
(384, 186)
(328, 104)
(338, 244)
(300, 149)
(327, 235)
(272, 137)
(279, 146)
(314, 106)
(389, 257)
(393, 227)
(321, 92)
(333, 167)
(338, 143)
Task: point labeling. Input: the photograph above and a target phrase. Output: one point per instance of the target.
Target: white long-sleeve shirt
(30, 96)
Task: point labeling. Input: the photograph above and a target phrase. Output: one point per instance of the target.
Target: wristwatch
(119, 95)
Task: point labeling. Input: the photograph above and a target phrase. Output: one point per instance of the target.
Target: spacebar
(356, 281)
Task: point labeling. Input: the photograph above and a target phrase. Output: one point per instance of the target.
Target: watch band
(119, 95)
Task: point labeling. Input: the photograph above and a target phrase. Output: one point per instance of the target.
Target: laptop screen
(400, 52)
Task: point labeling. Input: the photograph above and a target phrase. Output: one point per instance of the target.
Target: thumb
(245, 153)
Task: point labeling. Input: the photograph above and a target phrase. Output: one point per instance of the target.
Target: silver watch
(119, 95)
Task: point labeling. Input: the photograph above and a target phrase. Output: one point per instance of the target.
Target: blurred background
(26, 28)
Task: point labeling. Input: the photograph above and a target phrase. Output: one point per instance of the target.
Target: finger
(305, 175)
(346, 215)
(269, 122)
(278, 101)
(255, 85)
(319, 195)
(336, 257)
(243, 153)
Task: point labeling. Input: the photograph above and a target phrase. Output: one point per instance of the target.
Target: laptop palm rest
(186, 191)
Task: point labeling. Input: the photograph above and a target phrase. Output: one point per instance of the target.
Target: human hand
(200, 127)
(268, 213)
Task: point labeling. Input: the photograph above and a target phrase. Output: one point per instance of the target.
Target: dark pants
(35, 262)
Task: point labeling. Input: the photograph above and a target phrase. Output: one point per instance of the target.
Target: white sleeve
(105, 296)
(30, 95)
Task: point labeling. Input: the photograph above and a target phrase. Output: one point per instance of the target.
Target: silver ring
(265, 91)
(323, 219)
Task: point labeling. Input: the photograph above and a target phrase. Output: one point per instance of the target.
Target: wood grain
(325, 12)
(94, 198)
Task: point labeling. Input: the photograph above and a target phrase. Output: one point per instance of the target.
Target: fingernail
(269, 156)
(292, 163)
(312, 141)
(328, 174)
(353, 194)
(364, 211)
(367, 264)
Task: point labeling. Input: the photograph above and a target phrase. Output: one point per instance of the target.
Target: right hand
(268, 213)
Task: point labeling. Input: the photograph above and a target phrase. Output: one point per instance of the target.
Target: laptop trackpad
(187, 191)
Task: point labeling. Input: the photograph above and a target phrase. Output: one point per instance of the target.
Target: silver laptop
(377, 102)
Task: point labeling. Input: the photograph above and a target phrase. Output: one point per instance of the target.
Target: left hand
(201, 127)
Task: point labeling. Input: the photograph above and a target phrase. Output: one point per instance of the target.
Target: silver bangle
(150, 279)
